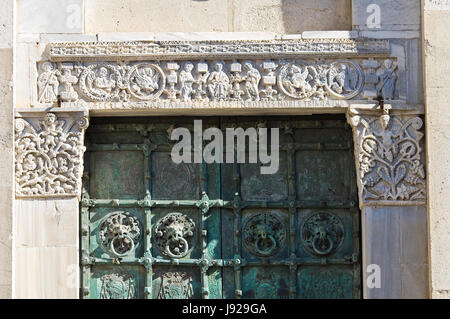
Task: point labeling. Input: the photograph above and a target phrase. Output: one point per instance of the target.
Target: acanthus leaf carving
(48, 159)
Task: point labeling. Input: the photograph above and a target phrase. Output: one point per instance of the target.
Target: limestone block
(44, 223)
(436, 5)
(67, 37)
(395, 239)
(438, 153)
(6, 24)
(50, 16)
(46, 248)
(390, 34)
(6, 168)
(398, 15)
(436, 44)
(125, 36)
(329, 35)
(284, 16)
(50, 272)
(212, 36)
(156, 16)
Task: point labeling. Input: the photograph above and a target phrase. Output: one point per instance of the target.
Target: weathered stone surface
(437, 95)
(50, 16)
(46, 249)
(283, 17)
(46, 273)
(6, 152)
(396, 240)
(393, 15)
(277, 16)
(42, 223)
(156, 16)
(437, 5)
(6, 24)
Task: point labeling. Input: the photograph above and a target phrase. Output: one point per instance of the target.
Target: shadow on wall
(316, 15)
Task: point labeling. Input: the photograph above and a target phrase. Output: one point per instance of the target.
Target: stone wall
(436, 42)
(394, 237)
(279, 16)
(6, 142)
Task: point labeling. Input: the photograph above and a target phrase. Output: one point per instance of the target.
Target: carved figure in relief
(251, 84)
(68, 80)
(219, 83)
(186, 81)
(343, 79)
(51, 130)
(103, 80)
(388, 80)
(145, 81)
(298, 79)
(48, 83)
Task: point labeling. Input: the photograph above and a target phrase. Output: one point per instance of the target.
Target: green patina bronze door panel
(155, 229)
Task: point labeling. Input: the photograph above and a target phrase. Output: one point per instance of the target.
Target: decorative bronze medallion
(322, 233)
(119, 233)
(175, 235)
(264, 234)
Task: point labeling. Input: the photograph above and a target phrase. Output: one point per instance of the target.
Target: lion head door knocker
(175, 235)
(322, 233)
(120, 233)
(264, 234)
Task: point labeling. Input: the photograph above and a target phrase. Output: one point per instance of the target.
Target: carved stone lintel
(49, 153)
(389, 158)
(256, 82)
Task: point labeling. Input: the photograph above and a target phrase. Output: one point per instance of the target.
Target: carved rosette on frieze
(389, 158)
(48, 154)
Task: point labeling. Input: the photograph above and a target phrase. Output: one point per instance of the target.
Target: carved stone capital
(49, 152)
(389, 158)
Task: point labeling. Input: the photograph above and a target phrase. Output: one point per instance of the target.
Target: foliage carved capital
(49, 153)
(389, 158)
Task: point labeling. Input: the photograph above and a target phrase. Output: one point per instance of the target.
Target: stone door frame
(71, 85)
